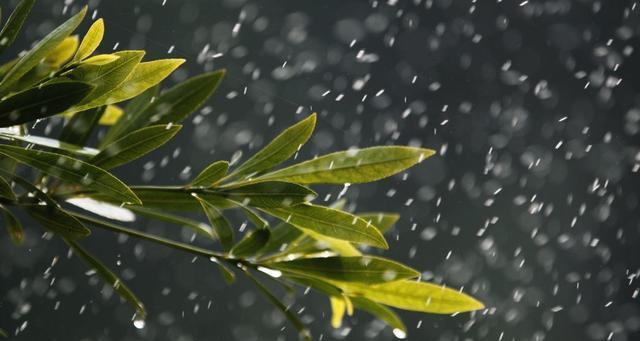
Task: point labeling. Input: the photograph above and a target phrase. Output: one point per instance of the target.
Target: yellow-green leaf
(210, 175)
(134, 145)
(51, 143)
(100, 59)
(13, 225)
(111, 115)
(40, 50)
(251, 243)
(63, 52)
(382, 220)
(363, 269)
(69, 169)
(413, 295)
(270, 194)
(381, 312)
(330, 222)
(351, 166)
(90, 41)
(280, 149)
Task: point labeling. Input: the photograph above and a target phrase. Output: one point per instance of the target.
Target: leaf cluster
(293, 240)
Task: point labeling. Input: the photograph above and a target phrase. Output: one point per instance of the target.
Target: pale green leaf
(14, 23)
(13, 225)
(210, 175)
(351, 166)
(90, 41)
(413, 295)
(40, 102)
(330, 222)
(338, 307)
(72, 170)
(108, 276)
(362, 269)
(40, 50)
(134, 145)
(280, 149)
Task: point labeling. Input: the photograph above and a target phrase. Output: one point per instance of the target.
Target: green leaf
(144, 76)
(196, 226)
(91, 40)
(220, 224)
(210, 175)
(41, 102)
(412, 295)
(228, 275)
(72, 170)
(50, 143)
(134, 145)
(14, 227)
(330, 222)
(57, 221)
(364, 269)
(62, 53)
(109, 277)
(105, 77)
(3, 333)
(14, 23)
(381, 220)
(295, 321)
(172, 106)
(80, 126)
(280, 149)
(171, 198)
(5, 190)
(281, 236)
(40, 50)
(340, 247)
(351, 166)
(381, 312)
(251, 243)
(270, 194)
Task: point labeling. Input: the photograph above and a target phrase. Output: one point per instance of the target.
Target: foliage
(312, 246)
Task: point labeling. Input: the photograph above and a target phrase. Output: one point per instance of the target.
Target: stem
(160, 240)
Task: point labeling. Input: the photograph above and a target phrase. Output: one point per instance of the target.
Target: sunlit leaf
(13, 226)
(134, 145)
(40, 50)
(50, 143)
(251, 244)
(338, 307)
(172, 106)
(112, 114)
(330, 222)
(90, 41)
(72, 170)
(220, 224)
(62, 53)
(351, 166)
(413, 295)
(41, 102)
(109, 277)
(103, 209)
(100, 59)
(382, 220)
(14, 23)
(364, 269)
(279, 149)
(210, 175)
(381, 312)
(5, 190)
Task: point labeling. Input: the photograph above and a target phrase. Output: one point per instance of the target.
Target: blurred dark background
(531, 204)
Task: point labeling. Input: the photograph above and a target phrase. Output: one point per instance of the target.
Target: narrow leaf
(280, 149)
(365, 269)
(109, 277)
(251, 244)
(51, 143)
(72, 170)
(134, 145)
(352, 166)
(196, 226)
(172, 106)
(80, 126)
(13, 225)
(57, 221)
(41, 102)
(281, 236)
(338, 307)
(415, 296)
(220, 224)
(381, 312)
(210, 175)
(5, 190)
(270, 194)
(40, 50)
(62, 53)
(330, 222)
(91, 40)
(381, 220)
(228, 275)
(14, 23)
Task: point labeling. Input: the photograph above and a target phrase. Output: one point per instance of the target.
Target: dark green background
(479, 99)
